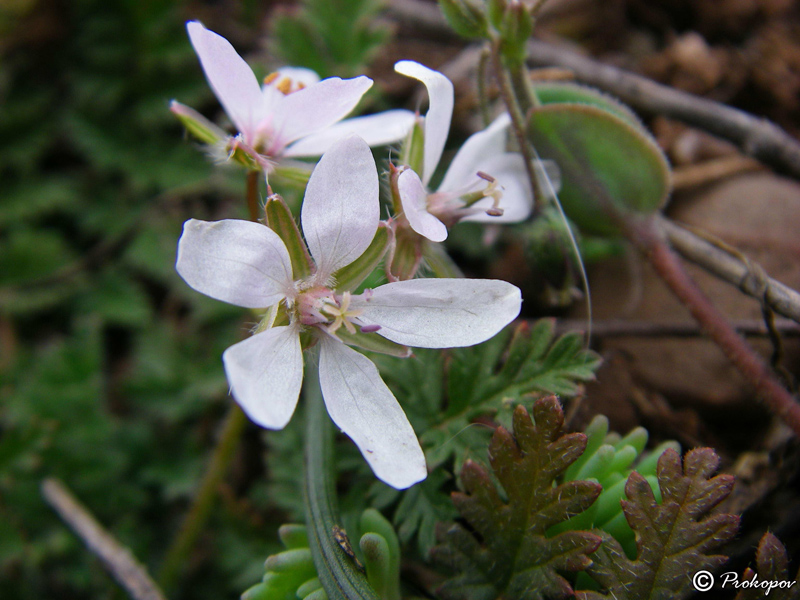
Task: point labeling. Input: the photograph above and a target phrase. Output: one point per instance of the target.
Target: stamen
(284, 86)
(271, 77)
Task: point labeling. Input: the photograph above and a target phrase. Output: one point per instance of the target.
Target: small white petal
(475, 151)
(317, 107)
(439, 313)
(230, 77)
(340, 211)
(377, 130)
(512, 179)
(239, 262)
(440, 111)
(265, 373)
(273, 96)
(414, 198)
(363, 407)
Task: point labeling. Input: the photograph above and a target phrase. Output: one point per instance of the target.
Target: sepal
(281, 221)
(197, 125)
(465, 17)
(351, 276)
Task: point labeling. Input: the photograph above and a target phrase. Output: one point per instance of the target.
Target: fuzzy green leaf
(672, 538)
(610, 169)
(513, 557)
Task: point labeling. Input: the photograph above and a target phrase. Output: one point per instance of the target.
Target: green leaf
(610, 169)
(674, 538)
(563, 92)
(512, 557)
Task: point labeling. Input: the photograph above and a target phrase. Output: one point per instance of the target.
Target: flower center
(458, 203)
(285, 85)
(320, 307)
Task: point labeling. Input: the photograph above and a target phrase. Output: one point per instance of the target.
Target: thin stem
(652, 242)
(194, 522)
(518, 123)
(253, 178)
(336, 570)
(483, 94)
(116, 559)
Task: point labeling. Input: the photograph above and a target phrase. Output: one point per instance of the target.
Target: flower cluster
(305, 286)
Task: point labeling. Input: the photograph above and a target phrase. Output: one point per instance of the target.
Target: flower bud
(467, 19)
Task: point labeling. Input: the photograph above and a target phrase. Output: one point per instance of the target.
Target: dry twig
(116, 559)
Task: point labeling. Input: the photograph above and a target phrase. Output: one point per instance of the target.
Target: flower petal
(274, 96)
(517, 200)
(239, 262)
(377, 130)
(363, 407)
(475, 151)
(440, 111)
(229, 76)
(316, 107)
(439, 313)
(414, 198)
(265, 373)
(340, 211)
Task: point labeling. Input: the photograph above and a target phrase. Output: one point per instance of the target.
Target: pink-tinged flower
(483, 183)
(293, 114)
(248, 264)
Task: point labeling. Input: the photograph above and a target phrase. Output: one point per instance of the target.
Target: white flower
(293, 113)
(483, 183)
(247, 264)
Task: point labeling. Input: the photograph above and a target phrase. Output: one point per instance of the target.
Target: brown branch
(752, 281)
(756, 136)
(116, 559)
(651, 241)
(686, 329)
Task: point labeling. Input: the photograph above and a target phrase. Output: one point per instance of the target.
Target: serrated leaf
(512, 557)
(610, 169)
(772, 565)
(674, 538)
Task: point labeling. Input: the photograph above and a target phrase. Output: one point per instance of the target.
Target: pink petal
(440, 111)
(361, 405)
(230, 77)
(265, 373)
(439, 313)
(317, 107)
(476, 150)
(414, 198)
(340, 211)
(377, 130)
(239, 262)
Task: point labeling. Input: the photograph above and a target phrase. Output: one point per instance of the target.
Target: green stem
(195, 521)
(518, 121)
(337, 571)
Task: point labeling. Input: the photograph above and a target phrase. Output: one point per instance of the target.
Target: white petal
(363, 407)
(439, 313)
(414, 198)
(377, 130)
(512, 178)
(239, 262)
(476, 150)
(273, 96)
(230, 77)
(340, 211)
(440, 111)
(265, 373)
(317, 107)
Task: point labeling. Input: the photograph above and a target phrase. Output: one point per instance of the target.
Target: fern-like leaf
(511, 557)
(674, 538)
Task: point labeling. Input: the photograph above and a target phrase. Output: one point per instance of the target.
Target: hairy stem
(337, 571)
(651, 240)
(252, 194)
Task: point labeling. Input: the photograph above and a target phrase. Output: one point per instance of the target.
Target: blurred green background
(110, 373)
